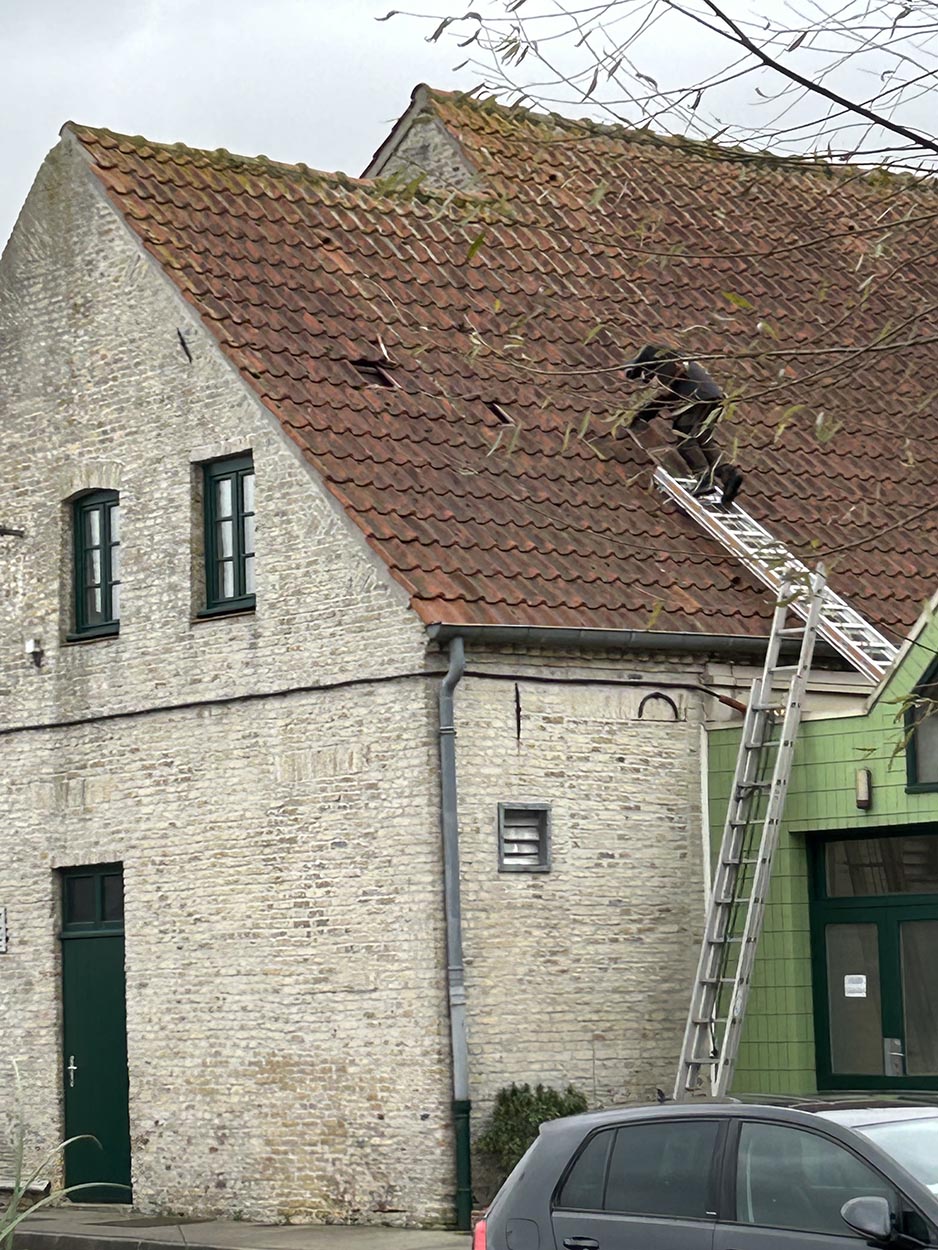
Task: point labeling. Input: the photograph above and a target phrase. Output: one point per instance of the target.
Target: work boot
(731, 487)
(703, 486)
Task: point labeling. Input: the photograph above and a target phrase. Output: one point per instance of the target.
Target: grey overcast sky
(318, 81)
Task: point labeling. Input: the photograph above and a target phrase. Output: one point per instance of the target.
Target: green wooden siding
(777, 1053)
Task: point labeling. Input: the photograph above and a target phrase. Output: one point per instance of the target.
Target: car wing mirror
(871, 1218)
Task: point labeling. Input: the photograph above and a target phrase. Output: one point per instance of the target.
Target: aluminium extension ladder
(742, 876)
(769, 560)
(743, 871)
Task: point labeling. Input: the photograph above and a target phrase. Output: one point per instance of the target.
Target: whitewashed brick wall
(286, 1012)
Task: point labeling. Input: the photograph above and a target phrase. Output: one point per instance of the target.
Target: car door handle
(581, 1243)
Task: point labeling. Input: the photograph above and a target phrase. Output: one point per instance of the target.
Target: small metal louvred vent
(523, 837)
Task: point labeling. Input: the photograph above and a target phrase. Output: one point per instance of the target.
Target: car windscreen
(913, 1143)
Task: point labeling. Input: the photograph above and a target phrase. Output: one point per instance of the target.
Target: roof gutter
(609, 639)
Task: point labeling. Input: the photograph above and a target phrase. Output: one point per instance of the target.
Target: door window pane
(79, 900)
(663, 1169)
(919, 947)
(113, 898)
(790, 1178)
(873, 866)
(856, 1024)
(583, 1188)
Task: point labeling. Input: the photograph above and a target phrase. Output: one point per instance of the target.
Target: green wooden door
(875, 940)
(95, 1033)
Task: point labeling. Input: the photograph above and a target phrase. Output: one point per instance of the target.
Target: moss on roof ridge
(221, 158)
(586, 127)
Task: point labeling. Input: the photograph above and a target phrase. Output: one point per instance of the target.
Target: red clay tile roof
(583, 245)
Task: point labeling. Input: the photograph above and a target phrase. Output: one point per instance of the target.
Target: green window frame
(92, 900)
(914, 715)
(97, 571)
(228, 496)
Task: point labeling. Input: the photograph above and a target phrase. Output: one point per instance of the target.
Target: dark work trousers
(696, 445)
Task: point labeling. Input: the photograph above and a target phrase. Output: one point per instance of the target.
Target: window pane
(113, 898)
(116, 602)
(789, 1178)
(867, 866)
(925, 744)
(93, 567)
(226, 571)
(225, 538)
(249, 575)
(115, 522)
(663, 1169)
(583, 1188)
(79, 900)
(223, 497)
(94, 611)
(115, 564)
(853, 993)
(247, 487)
(92, 527)
(919, 941)
(248, 535)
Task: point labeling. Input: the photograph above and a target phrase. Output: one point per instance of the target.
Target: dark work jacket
(695, 386)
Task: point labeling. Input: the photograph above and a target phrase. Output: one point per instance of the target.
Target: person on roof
(694, 401)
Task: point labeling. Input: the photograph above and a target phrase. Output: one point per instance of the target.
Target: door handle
(581, 1243)
(71, 1070)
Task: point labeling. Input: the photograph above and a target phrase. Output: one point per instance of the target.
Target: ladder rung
(785, 668)
(718, 980)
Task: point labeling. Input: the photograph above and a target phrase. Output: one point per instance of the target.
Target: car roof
(850, 1110)
(858, 1117)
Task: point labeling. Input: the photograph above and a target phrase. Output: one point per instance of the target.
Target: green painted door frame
(887, 914)
(95, 1033)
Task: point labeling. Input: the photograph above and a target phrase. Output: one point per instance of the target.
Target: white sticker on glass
(855, 985)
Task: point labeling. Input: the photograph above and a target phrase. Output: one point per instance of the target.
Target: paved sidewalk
(117, 1228)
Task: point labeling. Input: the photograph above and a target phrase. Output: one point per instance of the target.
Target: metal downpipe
(455, 975)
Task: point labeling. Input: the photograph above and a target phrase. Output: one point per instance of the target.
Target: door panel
(790, 1184)
(649, 1186)
(739, 1237)
(630, 1232)
(856, 1026)
(95, 1038)
(918, 944)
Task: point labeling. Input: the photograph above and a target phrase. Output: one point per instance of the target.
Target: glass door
(874, 923)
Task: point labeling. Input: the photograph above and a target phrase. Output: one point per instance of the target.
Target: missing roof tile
(498, 411)
(375, 374)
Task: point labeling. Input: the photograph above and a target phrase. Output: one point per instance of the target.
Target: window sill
(237, 607)
(94, 635)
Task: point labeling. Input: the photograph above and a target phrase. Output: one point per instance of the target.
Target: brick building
(237, 948)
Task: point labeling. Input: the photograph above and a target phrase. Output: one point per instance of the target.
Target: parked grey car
(725, 1176)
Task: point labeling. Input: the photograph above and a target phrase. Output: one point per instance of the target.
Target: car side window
(789, 1177)
(663, 1169)
(583, 1188)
